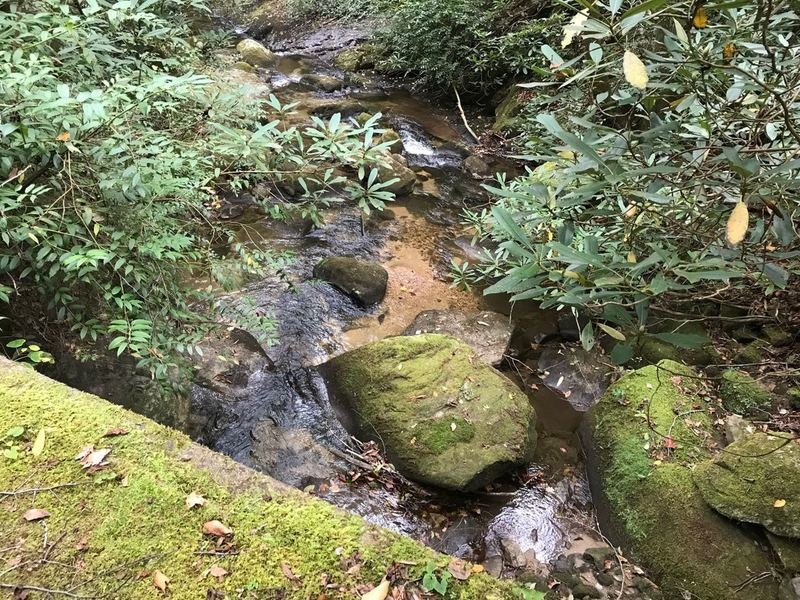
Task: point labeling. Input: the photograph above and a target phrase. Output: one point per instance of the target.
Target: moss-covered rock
(777, 335)
(756, 480)
(254, 53)
(119, 525)
(444, 417)
(751, 353)
(652, 348)
(359, 58)
(787, 551)
(645, 494)
(243, 66)
(365, 281)
(507, 113)
(741, 394)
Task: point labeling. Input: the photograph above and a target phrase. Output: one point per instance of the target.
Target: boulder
(256, 54)
(365, 281)
(444, 418)
(487, 333)
(741, 394)
(243, 66)
(357, 59)
(326, 83)
(646, 497)
(756, 480)
(652, 348)
(396, 167)
(477, 166)
(581, 376)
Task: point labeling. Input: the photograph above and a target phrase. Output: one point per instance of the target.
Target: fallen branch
(41, 489)
(44, 590)
(463, 115)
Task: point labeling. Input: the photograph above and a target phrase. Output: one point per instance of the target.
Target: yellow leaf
(614, 333)
(38, 444)
(700, 19)
(729, 51)
(737, 224)
(779, 503)
(571, 275)
(63, 137)
(378, 593)
(632, 211)
(634, 70)
(574, 27)
(478, 568)
(632, 257)
(193, 500)
(160, 580)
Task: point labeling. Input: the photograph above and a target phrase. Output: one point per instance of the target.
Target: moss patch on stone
(115, 531)
(741, 394)
(444, 417)
(754, 473)
(654, 507)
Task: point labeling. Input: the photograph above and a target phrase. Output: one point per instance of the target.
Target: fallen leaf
(478, 569)
(700, 19)
(738, 222)
(779, 503)
(287, 572)
(193, 500)
(669, 443)
(38, 443)
(115, 432)
(37, 514)
(729, 51)
(574, 27)
(160, 580)
(95, 457)
(378, 593)
(63, 137)
(86, 451)
(216, 528)
(217, 572)
(634, 70)
(460, 569)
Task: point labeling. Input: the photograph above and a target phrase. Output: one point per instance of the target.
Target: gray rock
(325, 83)
(256, 54)
(365, 281)
(736, 427)
(477, 167)
(228, 362)
(487, 333)
(397, 168)
(598, 556)
(580, 375)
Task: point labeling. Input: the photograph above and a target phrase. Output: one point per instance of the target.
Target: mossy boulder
(659, 345)
(359, 58)
(756, 480)
(243, 66)
(120, 524)
(444, 418)
(509, 107)
(646, 497)
(751, 353)
(363, 280)
(256, 54)
(777, 335)
(741, 394)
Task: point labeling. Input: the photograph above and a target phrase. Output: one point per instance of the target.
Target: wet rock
(581, 376)
(229, 360)
(396, 167)
(444, 418)
(736, 427)
(487, 333)
(757, 480)
(741, 394)
(254, 53)
(326, 83)
(355, 59)
(291, 455)
(365, 281)
(654, 509)
(477, 166)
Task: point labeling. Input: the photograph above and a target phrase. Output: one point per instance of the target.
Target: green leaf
(15, 344)
(621, 353)
(614, 333)
(682, 340)
(15, 432)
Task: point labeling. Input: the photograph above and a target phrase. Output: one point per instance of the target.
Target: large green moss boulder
(444, 417)
(365, 281)
(642, 442)
(756, 480)
(741, 394)
(254, 53)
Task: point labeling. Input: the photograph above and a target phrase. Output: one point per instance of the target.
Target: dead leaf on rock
(160, 581)
(378, 593)
(218, 572)
(82, 544)
(115, 432)
(95, 458)
(193, 500)
(460, 569)
(779, 503)
(35, 514)
(85, 451)
(216, 528)
(287, 572)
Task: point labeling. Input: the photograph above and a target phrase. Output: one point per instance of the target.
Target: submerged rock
(365, 281)
(756, 480)
(645, 493)
(229, 360)
(487, 333)
(741, 394)
(444, 418)
(256, 54)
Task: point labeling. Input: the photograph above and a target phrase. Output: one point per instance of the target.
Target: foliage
(474, 45)
(435, 579)
(628, 215)
(114, 153)
(311, 9)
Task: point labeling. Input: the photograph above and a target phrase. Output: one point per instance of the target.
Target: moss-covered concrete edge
(111, 530)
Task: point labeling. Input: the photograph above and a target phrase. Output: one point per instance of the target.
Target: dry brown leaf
(460, 569)
(63, 137)
(738, 222)
(287, 572)
(160, 581)
(95, 458)
(216, 528)
(85, 451)
(217, 572)
(700, 19)
(115, 432)
(779, 503)
(378, 593)
(193, 500)
(35, 514)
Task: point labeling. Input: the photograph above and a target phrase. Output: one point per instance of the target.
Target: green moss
(741, 394)
(138, 522)
(407, 391)
(777, 335)
(653, 349)
(360, 58)
(752, 353)
(508, 110)
(654, 507)
(439, 435)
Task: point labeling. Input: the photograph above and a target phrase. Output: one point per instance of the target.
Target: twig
(215, 553)
(463, 115)
(44, 590)
(41, 489)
